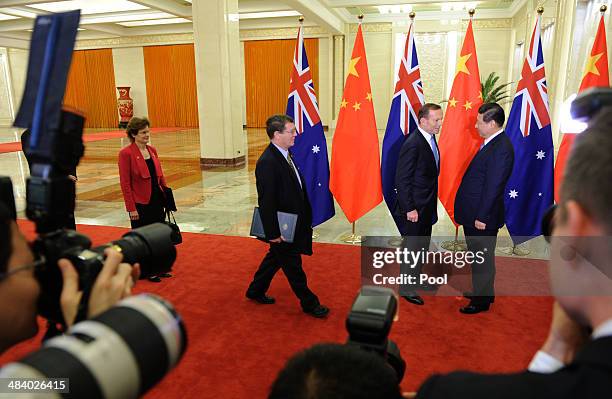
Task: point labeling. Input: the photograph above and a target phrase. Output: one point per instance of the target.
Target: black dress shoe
(416, 299)
(263, 299)
(319, 311)
(165, 275)
(470, 295)
(475, 308)
(155, 279)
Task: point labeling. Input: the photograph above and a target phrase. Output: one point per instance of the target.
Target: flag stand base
(515, 250)
(454, 245)
(351, 238)
(396, 242)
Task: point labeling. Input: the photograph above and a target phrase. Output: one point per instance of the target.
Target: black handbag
(175, 235)
(170, 205)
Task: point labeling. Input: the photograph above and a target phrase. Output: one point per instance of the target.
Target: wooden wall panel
(267, 65)
(91, 87)
(171, 85)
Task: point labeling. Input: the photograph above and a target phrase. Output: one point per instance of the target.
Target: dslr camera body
(369, 323)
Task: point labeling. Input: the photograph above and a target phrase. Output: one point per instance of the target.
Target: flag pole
(315, 233)
(353, 238)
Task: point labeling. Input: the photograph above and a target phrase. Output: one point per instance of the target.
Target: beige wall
(18, 64)
(130, 71)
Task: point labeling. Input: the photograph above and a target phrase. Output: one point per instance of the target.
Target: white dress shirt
(544, 363)
(427, 138)
(286, 155)
(491, 138)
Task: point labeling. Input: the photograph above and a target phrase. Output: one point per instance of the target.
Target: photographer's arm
(114, 283)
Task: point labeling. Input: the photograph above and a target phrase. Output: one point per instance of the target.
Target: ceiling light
(89, 7)
(140, 16)
(18, 12)
(268, 14)
(166, 21)
(396, 9)
(458, 6)
(4, 17)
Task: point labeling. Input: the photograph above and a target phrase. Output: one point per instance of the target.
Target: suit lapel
(426, 146)
(140, 161)
(279, 156)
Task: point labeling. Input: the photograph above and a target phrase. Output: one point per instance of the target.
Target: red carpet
(236, 346)
(89, 137)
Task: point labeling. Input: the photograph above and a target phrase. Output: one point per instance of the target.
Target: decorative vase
(125, 105)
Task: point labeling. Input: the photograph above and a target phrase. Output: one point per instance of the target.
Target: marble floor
(217, 201)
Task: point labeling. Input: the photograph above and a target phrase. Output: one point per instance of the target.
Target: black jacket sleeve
(265, 175)
(404, 175)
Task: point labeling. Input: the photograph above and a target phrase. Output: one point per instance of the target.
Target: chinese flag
(459, 140)
(595, 75)
(355, 161)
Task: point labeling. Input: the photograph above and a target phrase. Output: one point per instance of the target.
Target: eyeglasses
(36, 265)
(548, 222)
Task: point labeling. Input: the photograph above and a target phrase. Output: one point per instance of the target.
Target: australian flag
(529, 191)
(310, 149)
(405, 106)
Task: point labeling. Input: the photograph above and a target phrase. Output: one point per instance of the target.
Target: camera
(119, 354)
(369, 323)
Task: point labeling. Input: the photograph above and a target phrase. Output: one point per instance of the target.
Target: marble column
(560, 65)
(217, 60)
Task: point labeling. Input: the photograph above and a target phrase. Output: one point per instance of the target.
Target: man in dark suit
(280, 187)
(479, 204)
(416, 183)
(575, 361)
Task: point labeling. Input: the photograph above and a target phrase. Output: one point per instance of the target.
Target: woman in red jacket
(142, 179)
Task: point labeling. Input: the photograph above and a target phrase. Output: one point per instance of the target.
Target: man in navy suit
(416, 183)
(281, 187)
(479, 204)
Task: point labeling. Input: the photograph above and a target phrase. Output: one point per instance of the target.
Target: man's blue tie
(434, 148)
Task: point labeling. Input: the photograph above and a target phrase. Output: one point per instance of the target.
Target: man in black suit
(479, 204)
(416, 183)
(576, 359)
(280, 187)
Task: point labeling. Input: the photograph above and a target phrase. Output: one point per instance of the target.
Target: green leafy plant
(493, 93)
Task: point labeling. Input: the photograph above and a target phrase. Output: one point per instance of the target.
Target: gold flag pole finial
(540, 10)
(603, 8)
(301, 19)
(360, 16)
(472, 12)
(412, 15)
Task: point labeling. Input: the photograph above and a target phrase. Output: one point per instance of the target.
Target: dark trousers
(153, 212)
(416, 238)
(483, 274)
(288, 258)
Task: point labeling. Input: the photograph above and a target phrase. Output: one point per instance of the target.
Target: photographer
(336, 371)
(19, 290)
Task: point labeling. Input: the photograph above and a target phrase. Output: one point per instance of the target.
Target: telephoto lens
(150, 246)
(119, 354)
